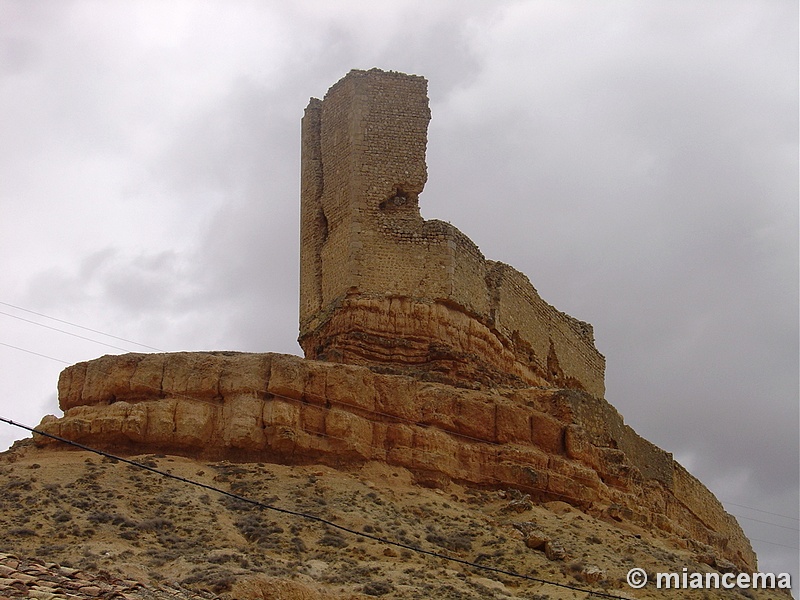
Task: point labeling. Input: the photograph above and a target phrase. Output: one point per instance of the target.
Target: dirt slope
(87, 512)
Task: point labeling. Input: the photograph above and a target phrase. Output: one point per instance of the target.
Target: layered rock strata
(550, 443)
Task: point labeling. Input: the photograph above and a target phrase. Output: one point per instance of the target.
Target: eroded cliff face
(554, 444)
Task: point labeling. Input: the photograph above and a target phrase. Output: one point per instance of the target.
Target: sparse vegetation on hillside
(95, 514)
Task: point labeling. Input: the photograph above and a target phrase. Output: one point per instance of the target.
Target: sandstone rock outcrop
(553, 444)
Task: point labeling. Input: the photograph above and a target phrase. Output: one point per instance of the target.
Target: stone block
(280, 412)
(107, 423)
(194, 423)
(283, 439)
(547, 433)
(573, 482)
(523, 467)
(395, 396)
(244, 374)
(315, 388)
(242, 423)
(351, 386)
(134, 427)
(161, 422)
(434, 450)
(76, 425)
(349, 431)
(512, 423)
(578, 447)
(192, 374)
(287, 376)
(312, 418)
(108, 378)
(476, 463)
(379, 447)
(474, 416)
(570, 490)
(70, 386)
(436, 405)
(147, 379)
(398, 437)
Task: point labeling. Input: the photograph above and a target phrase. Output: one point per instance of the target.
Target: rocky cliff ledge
(554, 444)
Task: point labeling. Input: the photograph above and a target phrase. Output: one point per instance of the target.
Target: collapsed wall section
(552, 342)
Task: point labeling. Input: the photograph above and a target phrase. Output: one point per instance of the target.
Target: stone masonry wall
(364, 244)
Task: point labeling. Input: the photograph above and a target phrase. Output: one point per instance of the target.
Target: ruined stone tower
(381, 286)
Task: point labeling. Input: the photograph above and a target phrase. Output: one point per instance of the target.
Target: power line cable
(521, 486)
(63, 331)
(762, 511)
(332, 404)
(530, 488)
(311, 517)
(34, 353)
(774, 544)
(38, 314)
(329, 404)
(766, 523)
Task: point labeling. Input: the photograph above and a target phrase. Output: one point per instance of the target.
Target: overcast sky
(637, 160)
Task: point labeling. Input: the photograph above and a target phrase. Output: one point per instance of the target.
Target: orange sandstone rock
(551, 444)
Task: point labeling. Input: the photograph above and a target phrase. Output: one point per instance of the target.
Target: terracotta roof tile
(30, 578)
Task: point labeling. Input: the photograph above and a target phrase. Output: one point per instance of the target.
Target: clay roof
(30, 578)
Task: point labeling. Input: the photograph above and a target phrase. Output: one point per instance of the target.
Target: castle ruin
(399, 317)
(380, 286)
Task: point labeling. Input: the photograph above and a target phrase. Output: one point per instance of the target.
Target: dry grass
(79, 510)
